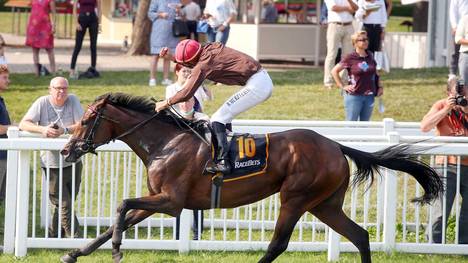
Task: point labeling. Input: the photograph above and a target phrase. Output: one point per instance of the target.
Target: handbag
(381, 58)
(202, 26)
(179, 28)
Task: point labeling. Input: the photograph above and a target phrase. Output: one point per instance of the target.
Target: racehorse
(310, 171)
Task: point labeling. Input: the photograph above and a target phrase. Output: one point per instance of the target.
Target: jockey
(221, 64)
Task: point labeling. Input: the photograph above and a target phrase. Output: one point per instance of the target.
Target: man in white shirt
(461, 39)
(191, 13)
(339, 31)
(458, 8)
(220, 14)
(373, 15)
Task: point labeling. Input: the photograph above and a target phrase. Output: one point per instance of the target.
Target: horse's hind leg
(134, 217)
(331, 213)
(287, 219)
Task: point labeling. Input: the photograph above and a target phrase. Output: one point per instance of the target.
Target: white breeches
(257, 89)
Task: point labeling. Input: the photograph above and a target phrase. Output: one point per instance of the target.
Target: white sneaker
(152, 82)
(166, 82)
(451, 77)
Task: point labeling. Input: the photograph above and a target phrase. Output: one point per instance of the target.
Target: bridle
(89, 146)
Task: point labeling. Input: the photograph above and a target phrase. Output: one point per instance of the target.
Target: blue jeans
(358, 107)
(218, 36)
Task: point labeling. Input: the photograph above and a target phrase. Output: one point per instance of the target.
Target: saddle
(248, 155)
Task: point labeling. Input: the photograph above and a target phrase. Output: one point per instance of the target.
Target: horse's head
(94, 130)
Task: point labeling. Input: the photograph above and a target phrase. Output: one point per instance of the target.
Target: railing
(116, 173)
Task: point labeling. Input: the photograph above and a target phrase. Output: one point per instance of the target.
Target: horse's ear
(107, 98)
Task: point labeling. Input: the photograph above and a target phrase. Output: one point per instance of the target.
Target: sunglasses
(362, 39)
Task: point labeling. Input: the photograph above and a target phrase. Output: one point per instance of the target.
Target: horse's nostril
(64, 152)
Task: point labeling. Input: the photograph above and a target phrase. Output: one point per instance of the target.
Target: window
(124, 8)
(277, 11)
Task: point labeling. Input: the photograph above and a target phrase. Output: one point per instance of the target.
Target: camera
(459, 97)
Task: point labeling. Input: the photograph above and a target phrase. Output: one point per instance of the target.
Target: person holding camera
(53, 115)
(449, 117)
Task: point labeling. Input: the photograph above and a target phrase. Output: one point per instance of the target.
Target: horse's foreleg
(157, 203)
(284, 227)
(134, 217)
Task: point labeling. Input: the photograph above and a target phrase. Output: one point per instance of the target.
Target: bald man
(53, 115)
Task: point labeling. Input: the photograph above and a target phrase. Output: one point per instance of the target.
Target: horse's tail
(398, 157)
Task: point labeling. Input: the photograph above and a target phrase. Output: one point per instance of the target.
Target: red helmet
(187, 50)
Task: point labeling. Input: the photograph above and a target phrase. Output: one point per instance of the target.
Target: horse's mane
(146, 105)
(136, 103)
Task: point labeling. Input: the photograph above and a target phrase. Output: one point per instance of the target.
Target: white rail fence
(116, 173)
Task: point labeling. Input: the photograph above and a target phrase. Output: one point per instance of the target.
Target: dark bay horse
(310, 171)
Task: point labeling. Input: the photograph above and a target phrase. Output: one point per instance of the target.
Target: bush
(402, 10)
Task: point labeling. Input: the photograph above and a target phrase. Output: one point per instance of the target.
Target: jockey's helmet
(187, 50)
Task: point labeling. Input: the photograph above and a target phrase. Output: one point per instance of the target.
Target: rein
(181, 119)
(89, 145)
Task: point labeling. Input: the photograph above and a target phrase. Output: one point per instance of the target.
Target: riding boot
(222, 163)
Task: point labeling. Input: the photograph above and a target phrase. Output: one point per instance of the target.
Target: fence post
(333, 245)
(184, 230)
(390, 202)
(388, 127)
(10, 196)
(22, 215)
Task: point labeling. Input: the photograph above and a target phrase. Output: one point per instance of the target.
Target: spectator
(200, 95)
(4, 124)
(449, 119)
(364, 82)
(339, 30)
(40, 33)
(461, 39)
(53, 115)
(220, 14)
(373, 15)
(86, 19)
(162, 16)
(269, 12)
(458, 9)
(191, 13)
(3, 60)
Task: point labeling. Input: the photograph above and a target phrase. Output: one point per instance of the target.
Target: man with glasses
(53, 115)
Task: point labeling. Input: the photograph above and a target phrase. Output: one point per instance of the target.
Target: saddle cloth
(248, 155)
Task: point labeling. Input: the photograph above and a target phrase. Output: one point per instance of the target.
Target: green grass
(394, 22)
(298, 94)
(46, 256)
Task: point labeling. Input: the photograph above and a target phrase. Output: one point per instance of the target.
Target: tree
(141, 30)
(420, 15)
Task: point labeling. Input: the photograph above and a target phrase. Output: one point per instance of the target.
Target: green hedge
(3, 7)
(401, 10)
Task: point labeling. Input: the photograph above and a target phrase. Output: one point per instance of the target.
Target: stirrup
(222, 166)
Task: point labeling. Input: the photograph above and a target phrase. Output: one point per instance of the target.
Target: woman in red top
(40, 33)
(364, 83)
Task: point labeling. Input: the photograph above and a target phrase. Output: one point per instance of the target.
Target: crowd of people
(355, 32)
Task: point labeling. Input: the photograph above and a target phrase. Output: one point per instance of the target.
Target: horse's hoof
(67, 259)
(117, 257)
